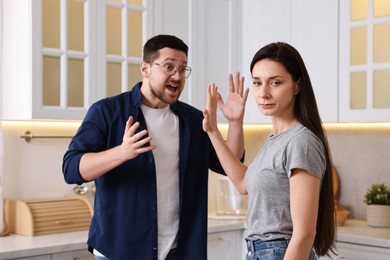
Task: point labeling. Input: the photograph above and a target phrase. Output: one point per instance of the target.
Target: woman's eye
(275, 83)
(256, 83)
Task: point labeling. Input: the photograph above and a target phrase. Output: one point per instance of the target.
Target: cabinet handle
(28, 136)
(215, 240)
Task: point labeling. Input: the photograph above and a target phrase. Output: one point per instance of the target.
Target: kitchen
(359, 139)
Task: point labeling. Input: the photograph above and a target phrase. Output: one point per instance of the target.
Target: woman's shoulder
(301, 131)
(304, 137)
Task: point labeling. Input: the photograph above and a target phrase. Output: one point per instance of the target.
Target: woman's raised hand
(234, 107)
(210, 113)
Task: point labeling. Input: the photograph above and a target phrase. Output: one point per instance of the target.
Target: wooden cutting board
(336, 183)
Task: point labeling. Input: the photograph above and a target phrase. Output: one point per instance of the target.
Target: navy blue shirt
(124, 224)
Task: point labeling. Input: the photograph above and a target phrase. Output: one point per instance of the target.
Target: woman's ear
(297, 87)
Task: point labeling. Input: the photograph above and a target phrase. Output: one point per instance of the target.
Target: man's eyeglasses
(170, 69)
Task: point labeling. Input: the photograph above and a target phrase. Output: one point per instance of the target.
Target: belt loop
(250, 245)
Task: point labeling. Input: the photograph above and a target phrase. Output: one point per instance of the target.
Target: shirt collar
(136, 95)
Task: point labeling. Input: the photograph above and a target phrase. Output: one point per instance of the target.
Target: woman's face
(274, 89)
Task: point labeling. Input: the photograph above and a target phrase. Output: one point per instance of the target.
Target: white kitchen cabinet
(351, 251)
(216, 47)
(60, 56)
(38, 257)
(344, 45)
(224, 36)
(212, 30)
(364, 69)
(227, 245)
(73, 255)
(67, 255)
(312, 28)
(362, 252)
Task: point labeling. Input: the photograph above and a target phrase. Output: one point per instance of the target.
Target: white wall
(34, 170)
(1, 133)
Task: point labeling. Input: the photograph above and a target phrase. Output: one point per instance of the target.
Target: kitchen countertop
(13, 246)
(221, 225)
(358, 232)
(16, 246)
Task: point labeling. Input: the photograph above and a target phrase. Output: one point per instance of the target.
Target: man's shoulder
(114, 100)
(186, 106)
(180, 105)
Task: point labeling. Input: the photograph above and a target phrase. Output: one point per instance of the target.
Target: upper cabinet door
(312, 28)
(63, 55)
(364, 61)
(212, 30)
(123, 26)
(64, 58)
(216, 47)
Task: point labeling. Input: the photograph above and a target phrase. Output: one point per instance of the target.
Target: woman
(289, 183)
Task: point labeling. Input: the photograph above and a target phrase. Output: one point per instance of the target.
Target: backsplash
(362, 158)
(34, 170)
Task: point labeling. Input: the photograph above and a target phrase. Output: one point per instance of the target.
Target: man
(149, 158)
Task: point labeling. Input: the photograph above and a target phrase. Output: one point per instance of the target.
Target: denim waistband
(256, 245)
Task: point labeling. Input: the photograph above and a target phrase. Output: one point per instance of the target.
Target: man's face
(163, 78)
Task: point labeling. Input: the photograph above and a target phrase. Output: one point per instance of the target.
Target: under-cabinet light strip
(72, 123)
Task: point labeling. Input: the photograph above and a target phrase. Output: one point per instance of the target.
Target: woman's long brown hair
(307, 114)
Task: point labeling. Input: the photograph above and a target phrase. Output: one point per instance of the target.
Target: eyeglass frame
(175, 69)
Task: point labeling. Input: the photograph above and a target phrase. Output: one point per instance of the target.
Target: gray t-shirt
(267, 180)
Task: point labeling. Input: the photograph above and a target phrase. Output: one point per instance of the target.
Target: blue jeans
(269, 250)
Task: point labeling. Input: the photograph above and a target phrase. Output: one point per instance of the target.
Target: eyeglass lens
(170, 69)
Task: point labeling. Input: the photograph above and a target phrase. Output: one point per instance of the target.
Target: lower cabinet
(349, 251)
(73, 255)
(362, 252)
(68, 255)
(227, 245)
(38, 257)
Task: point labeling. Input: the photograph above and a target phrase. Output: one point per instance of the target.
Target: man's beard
(161, 95)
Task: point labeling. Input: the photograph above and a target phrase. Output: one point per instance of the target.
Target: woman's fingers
(236, 83)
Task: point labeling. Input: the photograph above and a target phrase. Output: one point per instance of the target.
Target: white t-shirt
(163, 127)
